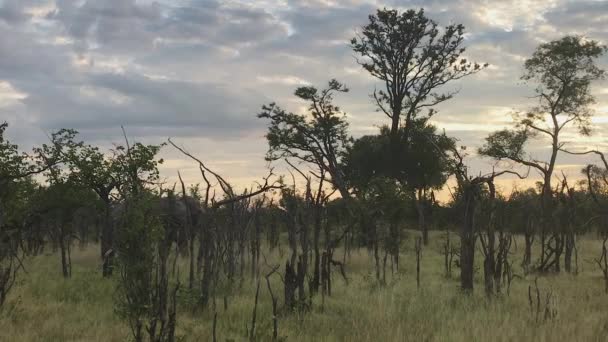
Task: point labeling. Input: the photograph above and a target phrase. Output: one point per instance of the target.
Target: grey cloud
(581, 16)
(12, 12)
(330, 23)
(111, 100)
(132, 27)
(193, 68)
(121, 24)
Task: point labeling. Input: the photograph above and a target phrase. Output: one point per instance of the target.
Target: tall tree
(317, 138)
(110, 175)
(421, 167)
(15, 187)
(413, 58)
(101, 174)
(562, 71)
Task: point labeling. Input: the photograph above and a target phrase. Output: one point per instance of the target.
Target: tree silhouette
(413, 58)
(562, 71)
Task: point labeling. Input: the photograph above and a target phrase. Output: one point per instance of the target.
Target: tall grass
(46, 307)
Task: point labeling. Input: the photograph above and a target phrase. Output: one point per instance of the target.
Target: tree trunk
(528, 240)
(467, 241)
(66, 267)
(395, 243)
(569, 249)
(422, 224)
(107, 238)
(316, 238)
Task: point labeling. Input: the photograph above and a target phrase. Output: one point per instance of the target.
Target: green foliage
(505, 144)
(564, 70)
(367, 158)
(420, 166)
(315, 138)
(16, 200)
(521, 210)
(108, 172)
(413, 57)
(15, 165)
(318, 138)
(59, 201)
(140, 231)
(12, 163)
(138, 165)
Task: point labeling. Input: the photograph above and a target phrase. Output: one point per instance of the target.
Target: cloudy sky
(199, 70)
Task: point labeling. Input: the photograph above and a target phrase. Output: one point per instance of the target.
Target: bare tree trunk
(107, 238)
(291, 236)
(421, 208)
(418, 249)
(602, 261)
(64, 242)
(467, 241)
(316, 240)
(528, 241)
(290, 287)
(395, 243)
(207, 254)
(570, 241)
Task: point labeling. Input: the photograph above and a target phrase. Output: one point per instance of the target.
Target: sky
(199, 71)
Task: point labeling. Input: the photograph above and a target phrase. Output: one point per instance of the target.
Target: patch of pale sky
(104, 95)
(282, 79)
(509, 14)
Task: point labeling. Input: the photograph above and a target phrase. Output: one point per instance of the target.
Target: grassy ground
(45, 307)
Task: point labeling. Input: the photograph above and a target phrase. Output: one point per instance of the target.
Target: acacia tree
(108, 175)
(143, 243)
(413, 57)
(420, 168)
(13, 168)
(101, 174)
(57, 206)
(15, 171)
(563, 71)
(317, 139)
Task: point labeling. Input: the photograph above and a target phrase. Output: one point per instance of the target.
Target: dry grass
(45, 307)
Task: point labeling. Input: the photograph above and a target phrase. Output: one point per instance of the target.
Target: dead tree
(275, 322)
(528, 242)
(256, 234)
(217, 246)
(448, 251)
(496, 244)
(602, 261)
(596, 182)
(311, 214)
(568, 222)
(418, 249)
(329, 261)
(11, 256)
(467, 197)
(294, 295)
(254, 314)
(190, 228)
(541, 306)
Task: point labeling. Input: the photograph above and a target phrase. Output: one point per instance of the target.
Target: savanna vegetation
(350, 245)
